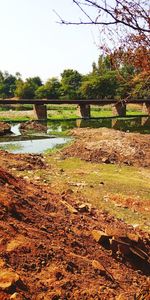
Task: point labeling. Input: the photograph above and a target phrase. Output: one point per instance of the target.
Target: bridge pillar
(84, 111)
(145, 121)
(40, 111)
(119, 109)
(146, 108)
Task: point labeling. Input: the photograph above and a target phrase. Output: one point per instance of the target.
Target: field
(74, 222)
(25, 112)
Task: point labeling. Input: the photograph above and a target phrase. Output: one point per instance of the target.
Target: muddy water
(38, 142)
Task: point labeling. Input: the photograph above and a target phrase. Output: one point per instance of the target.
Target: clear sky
(33, 43)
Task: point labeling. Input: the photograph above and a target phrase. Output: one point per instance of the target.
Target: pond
(130, 124)
(33, 145)
(54, 133)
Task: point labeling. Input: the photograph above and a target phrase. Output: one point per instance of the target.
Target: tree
(100, 87)
(103, 66)
(35, 81)
(133, 15)
(7, 85)
(24, 90)
(51, 90)
(70, 84)
(27, 89)
(125, 23)
(140, 88)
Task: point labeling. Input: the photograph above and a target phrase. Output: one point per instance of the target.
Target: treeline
(104, 81)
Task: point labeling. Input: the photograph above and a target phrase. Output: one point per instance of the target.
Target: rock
(105, 160)
(16, 296)
(98, 266)
(8, 279)
(119, 246)
(70, 208)
(101, 237)
(135, 225)
(134, 237)
(85, 207)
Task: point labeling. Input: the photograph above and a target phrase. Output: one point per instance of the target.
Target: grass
(10, 147)
(56, 148)
(61, 112)
(98, 184)
(59, 134)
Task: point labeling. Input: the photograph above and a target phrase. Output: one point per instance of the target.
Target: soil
(110, 146)
(33, 125)
(54, 246)
(21, 162)
(5, 128)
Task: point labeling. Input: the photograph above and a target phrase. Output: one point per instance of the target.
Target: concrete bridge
(83, 106)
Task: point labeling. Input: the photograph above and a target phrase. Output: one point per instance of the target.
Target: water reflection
(15, 129)
(134, 124)
(146, 121)
(33, 146)
(41, 137)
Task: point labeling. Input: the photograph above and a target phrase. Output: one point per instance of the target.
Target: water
(33, 145)
(38, 142)
(130, 124)
(31, 141)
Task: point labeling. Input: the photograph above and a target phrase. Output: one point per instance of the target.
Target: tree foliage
(127, 80)
(124, 27)
(7, 85)
(51, 89)
(70, 84)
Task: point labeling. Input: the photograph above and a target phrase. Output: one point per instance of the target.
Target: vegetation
(99, 184)
(104, 81)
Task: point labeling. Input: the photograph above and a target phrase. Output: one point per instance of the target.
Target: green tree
(27, 89)
(70, 84)
(7, 85)
(100, 87)
(24, 90)
(35, 81)
(51, 90)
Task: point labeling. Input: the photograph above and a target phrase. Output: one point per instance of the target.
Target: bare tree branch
(129, 14)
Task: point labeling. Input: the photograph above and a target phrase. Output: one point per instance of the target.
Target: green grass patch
(11, 147)
(15, 119)
(97, 181)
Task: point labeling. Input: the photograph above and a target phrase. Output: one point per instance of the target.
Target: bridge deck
(40, 109)
(77, 102)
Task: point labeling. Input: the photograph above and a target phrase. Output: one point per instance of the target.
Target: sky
(34, 44)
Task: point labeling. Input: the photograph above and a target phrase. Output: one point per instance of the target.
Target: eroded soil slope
(110, 146)
(55, 247)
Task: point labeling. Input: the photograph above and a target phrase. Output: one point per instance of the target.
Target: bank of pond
(38, 137)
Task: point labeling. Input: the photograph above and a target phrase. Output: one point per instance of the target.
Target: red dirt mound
(55, 247)
(21, 162)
